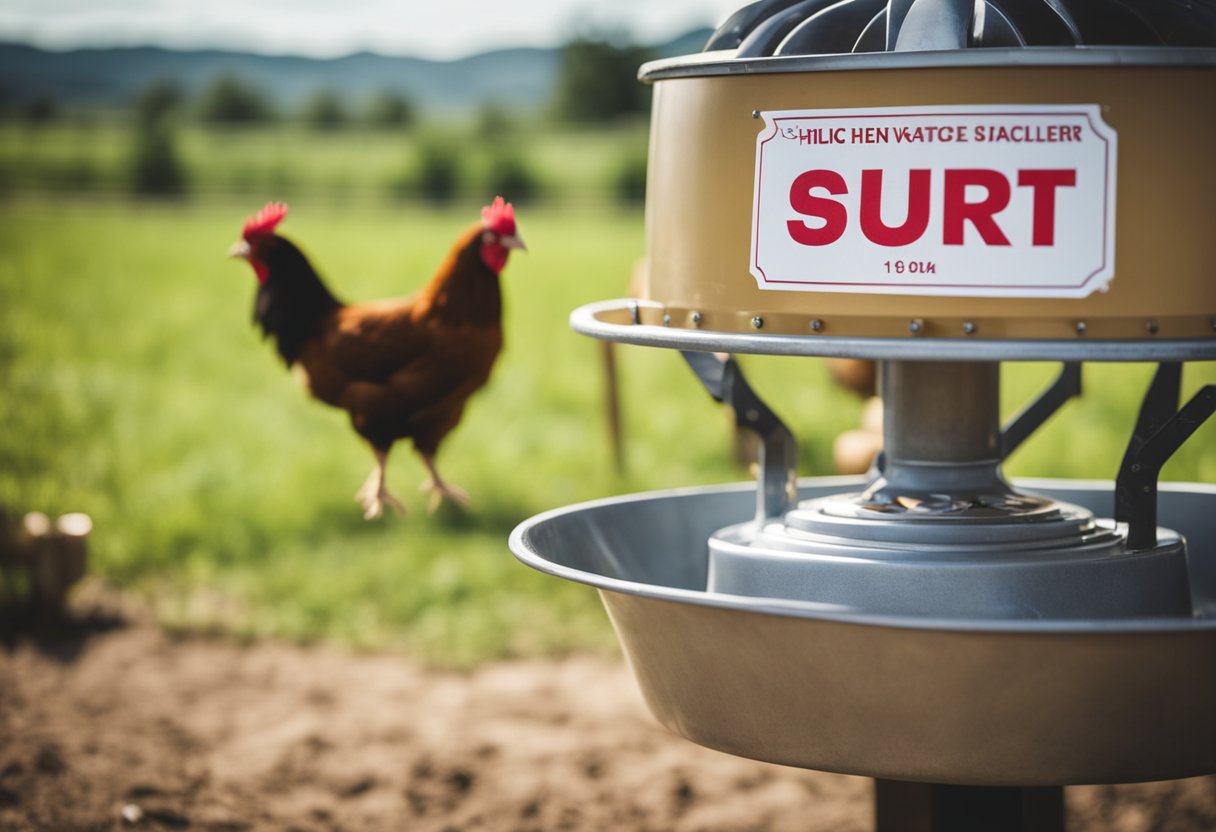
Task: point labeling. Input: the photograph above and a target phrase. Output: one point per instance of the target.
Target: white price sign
(992, 200)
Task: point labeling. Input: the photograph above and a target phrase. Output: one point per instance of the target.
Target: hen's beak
(240, 249)
(512, 241)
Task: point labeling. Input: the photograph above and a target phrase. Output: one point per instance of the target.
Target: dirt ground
(109, 723)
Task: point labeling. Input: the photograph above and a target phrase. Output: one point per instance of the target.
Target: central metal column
(929, 807)
(941, 411)
(942, 433)
(942, 427)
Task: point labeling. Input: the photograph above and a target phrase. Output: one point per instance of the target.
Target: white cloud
(323, 27)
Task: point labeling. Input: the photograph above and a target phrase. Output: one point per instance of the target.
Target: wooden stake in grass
(56, 557)
(612, 405)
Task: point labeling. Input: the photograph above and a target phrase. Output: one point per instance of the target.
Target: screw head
(666, 319)
(916, 326)
(757, 322)
(696, 318)
(969, 327)
(1152, 327)
(1081, 327)
(755, 114)
(816, 325)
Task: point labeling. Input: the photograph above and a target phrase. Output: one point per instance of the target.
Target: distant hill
(521, 77)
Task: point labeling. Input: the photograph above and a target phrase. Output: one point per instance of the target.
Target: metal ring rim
(586, 321)
(520, 545)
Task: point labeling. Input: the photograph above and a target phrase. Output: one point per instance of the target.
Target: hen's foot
(374, 503)
(440, 491)
(373, 496)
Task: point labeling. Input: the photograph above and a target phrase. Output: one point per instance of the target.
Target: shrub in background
(493, 122)
(325, 111)
(511, 176)
(437, 171)
(389, 108)
(155, 168)
(41, 109)
(629, 179)
(231, 101)
(597, 81)
(159, 100)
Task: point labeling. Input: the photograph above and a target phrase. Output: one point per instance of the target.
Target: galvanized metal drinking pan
(982, 702)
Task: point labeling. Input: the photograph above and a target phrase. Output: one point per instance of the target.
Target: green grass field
(287, 159)
(135, 389)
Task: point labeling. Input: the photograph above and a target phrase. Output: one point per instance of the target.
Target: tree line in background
(231, 101)
(597, 84)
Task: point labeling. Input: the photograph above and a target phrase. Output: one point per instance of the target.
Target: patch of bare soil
(111, 724)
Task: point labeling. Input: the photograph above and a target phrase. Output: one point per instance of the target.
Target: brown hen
(402, 369)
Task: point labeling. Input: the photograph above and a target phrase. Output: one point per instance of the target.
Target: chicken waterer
(940, 185)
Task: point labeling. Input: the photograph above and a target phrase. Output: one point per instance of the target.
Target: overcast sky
(431, 28)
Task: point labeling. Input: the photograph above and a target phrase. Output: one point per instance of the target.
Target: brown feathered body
(402, 369)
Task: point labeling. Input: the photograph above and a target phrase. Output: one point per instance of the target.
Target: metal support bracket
(1066, 386)
(1160, 431)
(777, 487)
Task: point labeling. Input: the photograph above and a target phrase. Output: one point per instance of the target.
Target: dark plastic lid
(824, 27)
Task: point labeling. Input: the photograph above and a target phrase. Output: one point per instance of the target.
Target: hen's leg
(374, 494)
(440, 489)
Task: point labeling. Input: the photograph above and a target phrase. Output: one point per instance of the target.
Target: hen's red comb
(264, 221)
(499, 217)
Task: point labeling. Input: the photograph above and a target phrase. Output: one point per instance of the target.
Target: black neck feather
(292, 303)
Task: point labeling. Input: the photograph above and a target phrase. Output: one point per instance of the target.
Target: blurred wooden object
(612, 405)
(53, 555)
(854, 451)
(639, 280)
(871, 415)
(855, 374)
(8, 555)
